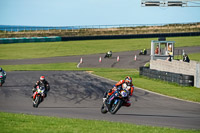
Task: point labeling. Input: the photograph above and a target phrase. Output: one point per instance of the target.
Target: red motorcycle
(38, 96)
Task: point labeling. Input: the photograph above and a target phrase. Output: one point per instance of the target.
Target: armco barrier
(73, 38)
(181, 79)
(29, 39)
(98, 37)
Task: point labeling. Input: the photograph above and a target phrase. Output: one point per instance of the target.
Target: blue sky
(90, 12)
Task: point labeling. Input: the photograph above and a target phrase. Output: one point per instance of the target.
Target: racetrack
(127, 59)
(77, 94)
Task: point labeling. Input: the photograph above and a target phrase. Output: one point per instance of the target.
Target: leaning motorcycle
(38, 96)
(115, 101)
(2, 79)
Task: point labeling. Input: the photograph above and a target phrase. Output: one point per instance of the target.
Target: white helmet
(125, 86)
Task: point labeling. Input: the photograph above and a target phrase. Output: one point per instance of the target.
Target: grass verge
(170, 89)
(195, 56)
(22, 123)
(68, 48)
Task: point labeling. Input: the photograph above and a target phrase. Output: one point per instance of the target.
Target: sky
(91, 12)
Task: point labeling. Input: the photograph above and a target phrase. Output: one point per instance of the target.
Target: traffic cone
(117, 58)
(99, 59)
(135, 57)
(81, 60)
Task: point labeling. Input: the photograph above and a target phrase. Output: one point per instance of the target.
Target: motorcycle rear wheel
(104, 109)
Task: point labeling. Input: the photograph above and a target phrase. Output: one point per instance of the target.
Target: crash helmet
(1, 69)
(125, 86)
(128, 80)
(42, 78)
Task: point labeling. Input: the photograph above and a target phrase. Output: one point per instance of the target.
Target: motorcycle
(2, 80)
(115, 101)
(108, 54)
(38, 96)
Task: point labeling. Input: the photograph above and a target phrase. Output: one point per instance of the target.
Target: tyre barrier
(99, 37)
(181, 79)
(29, 39)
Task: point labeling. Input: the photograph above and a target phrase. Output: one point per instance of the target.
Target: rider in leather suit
(42, 82)
(125, 84)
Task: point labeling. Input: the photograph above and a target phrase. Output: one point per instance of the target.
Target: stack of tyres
(145, 71)
(186, 80)
(141, 70)
(168, 76)
(152, 73)
(162, 75)
(174, 78)
(183, 80)
(148, 72)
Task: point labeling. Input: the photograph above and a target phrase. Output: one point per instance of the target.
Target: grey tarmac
(78, 94)
(126, 59)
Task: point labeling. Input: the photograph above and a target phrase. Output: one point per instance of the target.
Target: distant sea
(22, 28)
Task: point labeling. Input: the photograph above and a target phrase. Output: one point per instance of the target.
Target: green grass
(174, 90)
(10, 123)
(68, 48)
(194, 56)
(22, 123)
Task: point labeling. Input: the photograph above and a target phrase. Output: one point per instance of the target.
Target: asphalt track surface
(78, 94)
(127, 59)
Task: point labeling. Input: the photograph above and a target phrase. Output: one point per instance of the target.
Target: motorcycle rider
(41, 82)
(123, 84)
(108, 54)
(3, 73)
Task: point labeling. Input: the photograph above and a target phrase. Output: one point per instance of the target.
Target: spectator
(169, 48)
(186, 58)
(157, 50)
(170, 57)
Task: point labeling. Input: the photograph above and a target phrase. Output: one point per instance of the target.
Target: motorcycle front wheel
(116, 106)
(36, 101)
